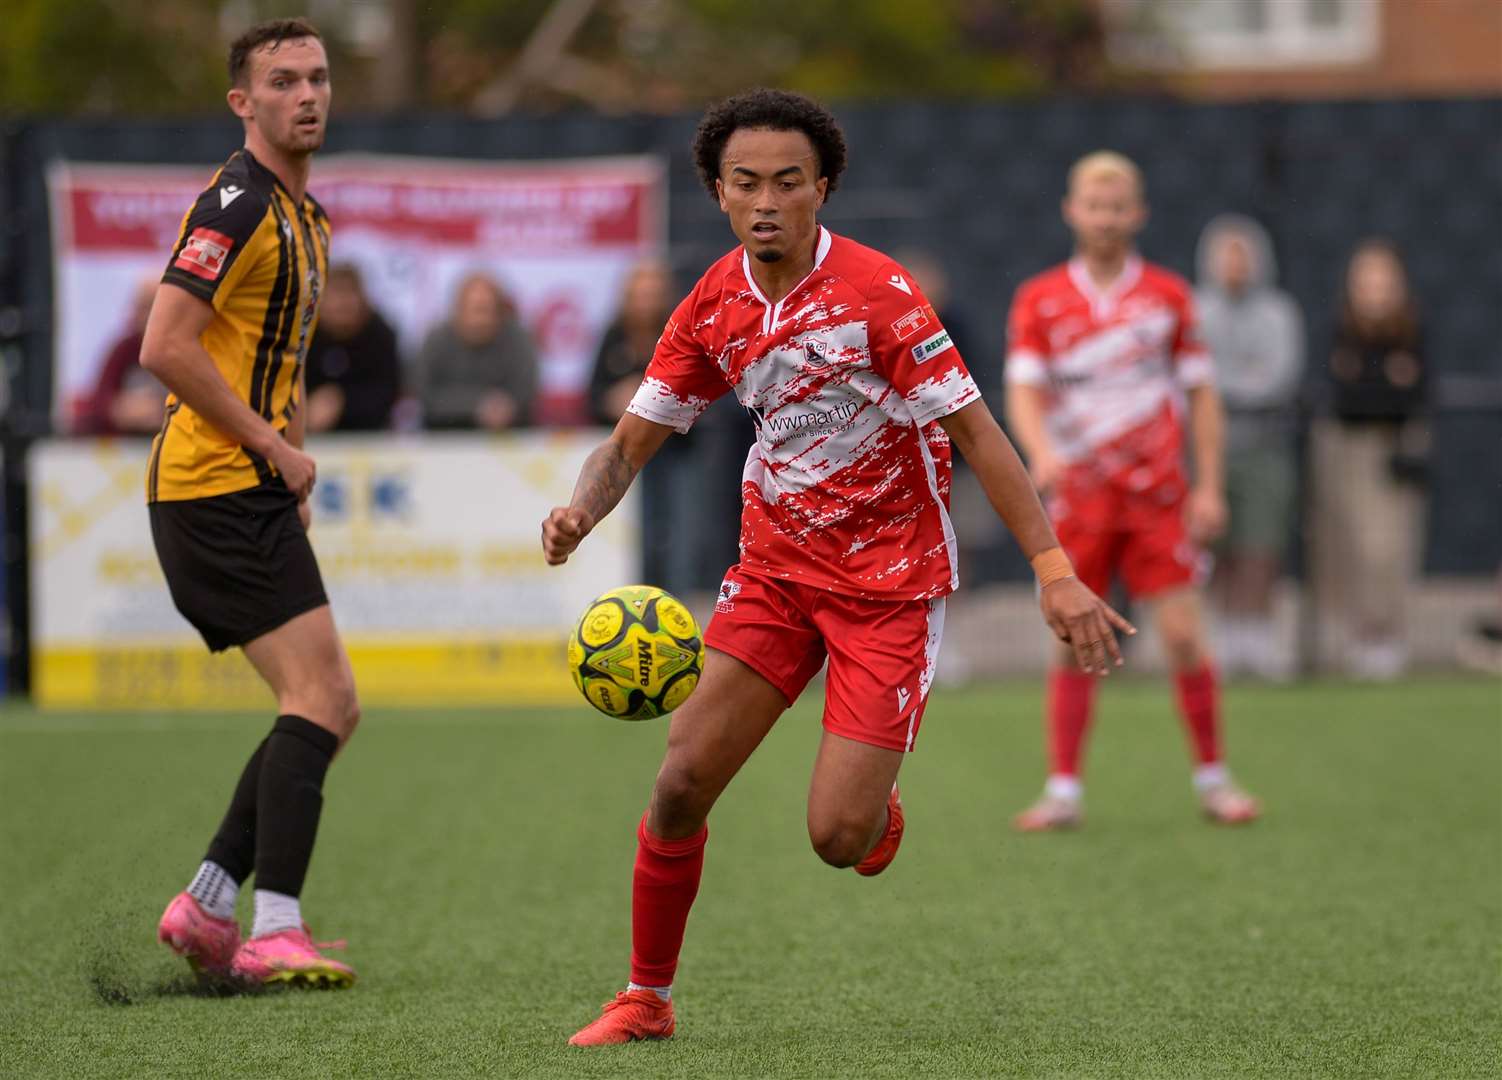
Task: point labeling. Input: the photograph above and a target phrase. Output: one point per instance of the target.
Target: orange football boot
(633, 1015)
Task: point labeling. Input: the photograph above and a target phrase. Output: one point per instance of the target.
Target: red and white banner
(559, 236)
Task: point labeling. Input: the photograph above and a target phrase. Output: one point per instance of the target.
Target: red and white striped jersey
(1114, 362)
(843, 488)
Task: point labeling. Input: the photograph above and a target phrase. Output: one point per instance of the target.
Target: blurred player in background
(228, 490)
(1101, 352)
(846, 549)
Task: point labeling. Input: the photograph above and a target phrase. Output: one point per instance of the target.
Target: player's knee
(840, 842)
(680, 797)
(1184, 647)
(333, 705)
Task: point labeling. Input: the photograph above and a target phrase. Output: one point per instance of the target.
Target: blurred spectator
(479, 369)
(673, 483)
(1368, 466)
(127, 399)
(933, 280)
(646, 303)
(354, 373)
(1255, 332)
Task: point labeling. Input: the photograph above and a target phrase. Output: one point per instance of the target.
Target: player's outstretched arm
(1074, 613)
(1206, 510)
(173, 352)
(603, 481)
(1026, 409)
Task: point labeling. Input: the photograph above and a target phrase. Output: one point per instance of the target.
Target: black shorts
(238, 565)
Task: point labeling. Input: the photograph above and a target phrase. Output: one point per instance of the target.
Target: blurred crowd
(1326, 440)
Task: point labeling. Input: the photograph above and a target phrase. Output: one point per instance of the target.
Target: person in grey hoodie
(1255, 332)
(478, 370)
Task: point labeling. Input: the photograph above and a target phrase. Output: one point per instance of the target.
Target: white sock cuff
(1064, 786)
(214, 889)
(664, 992)
(1212, 775)
(276, 912)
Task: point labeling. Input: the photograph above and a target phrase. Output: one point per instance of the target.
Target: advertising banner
(430, 553)
(558, 236)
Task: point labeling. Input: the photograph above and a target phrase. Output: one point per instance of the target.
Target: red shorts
(881, 652)
(1139, 536)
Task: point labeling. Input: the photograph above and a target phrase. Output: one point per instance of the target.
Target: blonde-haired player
(1103, 366)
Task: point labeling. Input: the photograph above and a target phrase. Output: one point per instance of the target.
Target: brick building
(1306, 49)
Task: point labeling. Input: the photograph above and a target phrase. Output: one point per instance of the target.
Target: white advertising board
(430, 553)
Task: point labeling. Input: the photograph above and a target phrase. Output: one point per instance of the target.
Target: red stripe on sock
(1071, 700)
(1199, 703)
(663, 888)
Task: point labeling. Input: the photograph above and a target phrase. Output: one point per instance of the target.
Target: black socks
(289, 799)
(234, 845)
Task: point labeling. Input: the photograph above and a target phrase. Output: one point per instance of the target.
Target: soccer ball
(636, 653)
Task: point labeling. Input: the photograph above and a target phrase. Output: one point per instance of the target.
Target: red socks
(662, 890)
(1071, 697)
(1199, 702)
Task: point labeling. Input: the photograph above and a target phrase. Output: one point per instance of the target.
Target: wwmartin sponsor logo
(928, 348)
(809, 422)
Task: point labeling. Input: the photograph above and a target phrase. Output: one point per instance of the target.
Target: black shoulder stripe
(291, 311)
(271, 324)
(217, 229)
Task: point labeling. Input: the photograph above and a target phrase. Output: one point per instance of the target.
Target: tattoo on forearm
(603, 481)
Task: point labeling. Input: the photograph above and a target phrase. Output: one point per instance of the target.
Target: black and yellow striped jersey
(261, 260)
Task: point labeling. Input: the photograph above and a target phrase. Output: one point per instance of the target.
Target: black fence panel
(978, 185)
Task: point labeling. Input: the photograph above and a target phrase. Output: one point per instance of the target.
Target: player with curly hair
(847, 553)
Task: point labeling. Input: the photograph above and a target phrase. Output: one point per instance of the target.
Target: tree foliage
(71, 56)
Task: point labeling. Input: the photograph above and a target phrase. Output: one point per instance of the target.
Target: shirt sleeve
(1192, 363)
(215, 233)
(1027, 348)
(912, 350)
(680, 380)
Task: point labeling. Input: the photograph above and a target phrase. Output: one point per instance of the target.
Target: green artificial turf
(479, 863)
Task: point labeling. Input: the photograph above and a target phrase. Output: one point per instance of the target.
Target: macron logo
(902, 696)
(897, 283)
(228, 194)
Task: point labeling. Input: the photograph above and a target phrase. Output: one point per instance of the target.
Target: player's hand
(298, 470)
(305, 514)
(562, 530)
(1045, 469)
(1084, 621)
(1205, 514)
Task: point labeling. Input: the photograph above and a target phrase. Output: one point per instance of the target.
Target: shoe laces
(623, 998)
(337, 943)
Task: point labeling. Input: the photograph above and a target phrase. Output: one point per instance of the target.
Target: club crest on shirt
(726, 600)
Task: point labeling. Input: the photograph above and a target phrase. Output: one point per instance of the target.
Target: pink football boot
(291, 957)
(207, 943)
